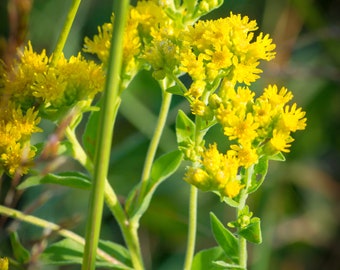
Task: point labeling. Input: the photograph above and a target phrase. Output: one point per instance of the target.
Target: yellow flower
(193, 65)
(26, 124)
(4, 263)
(263, 112)
(244, 129)
(16, 159)
(9, 134)
(232, 188)
(212, 159)
(292, 119)
(246, 154)
(197, 177)
(277, 98)
(100, 45)
(198, 107)
(280, 142)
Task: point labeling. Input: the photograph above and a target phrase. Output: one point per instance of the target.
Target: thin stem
(65, 32)
(193, 204)
(54, 227)
(150, 156)
(109, 108)
(129, 230)
(243, 256)
(192, 228)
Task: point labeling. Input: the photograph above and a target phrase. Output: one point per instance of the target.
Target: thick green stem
(55, 228)
(65, 32)
(243, 254)
(111, 200)
(192, 229)
(108, 113)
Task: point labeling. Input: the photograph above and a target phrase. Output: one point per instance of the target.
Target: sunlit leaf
(90, 132)
(21, 254)
(176, 90)
(204, 259)
(260, 172)
(226, 239)
(252, 232)
(67, 251)
(68, 179)
(139, 200)
(227, 266)
(185, 128)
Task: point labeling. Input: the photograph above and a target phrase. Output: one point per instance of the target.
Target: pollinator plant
(209, 63)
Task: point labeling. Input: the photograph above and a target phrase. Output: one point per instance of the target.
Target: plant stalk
(65, 32)
(150, 156)
(192, 228)
(193, 204)
(55, 228)
(243, 254)
(108, 112)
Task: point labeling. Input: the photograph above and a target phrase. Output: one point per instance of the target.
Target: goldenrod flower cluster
(152, 38)
(33, 88)
(222, 58)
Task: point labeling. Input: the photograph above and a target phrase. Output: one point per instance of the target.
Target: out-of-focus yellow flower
(33, 88)
(17, 158)
(218, 172)
(4, 263)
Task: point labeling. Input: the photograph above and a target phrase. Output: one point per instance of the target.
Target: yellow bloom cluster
(222, 58)
(223, 48)
(15, 131)
(216, 172)
(148, 40)
(32, 88)
(254, 127)
(152, 36)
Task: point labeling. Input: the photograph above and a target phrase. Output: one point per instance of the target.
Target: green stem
(109, 108)
(193, 204)
(192, 228)
(65, 32)
(243, 255)
(111, 200)
(150, 156)
(53, 227)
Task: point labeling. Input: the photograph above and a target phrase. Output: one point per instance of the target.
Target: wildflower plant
(221, 60)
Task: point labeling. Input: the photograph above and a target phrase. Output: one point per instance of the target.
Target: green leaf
(90, 132)
(185, 128)
(68, 179)
(260, 172)
(278, 157)
(165, 166)
(67, 251)
(226, 239)
(21, 254)
(204, 259)
(228, 266)
(176, 90)
(162, 168)
(253, 231)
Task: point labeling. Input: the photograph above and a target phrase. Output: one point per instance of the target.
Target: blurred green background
(299, 201)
